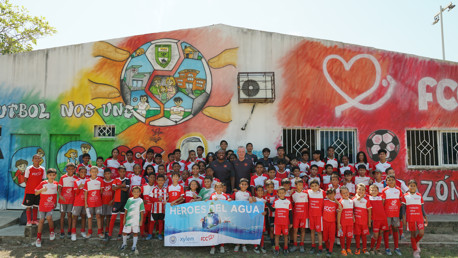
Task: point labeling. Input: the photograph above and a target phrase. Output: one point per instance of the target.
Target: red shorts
(361, 230)
(281, 229)
(347, 230)
(329, 231)
(316, 223)
(300, 222)
(415, 225)
(378, 225)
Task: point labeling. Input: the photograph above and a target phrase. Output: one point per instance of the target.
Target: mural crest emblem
(163, 54)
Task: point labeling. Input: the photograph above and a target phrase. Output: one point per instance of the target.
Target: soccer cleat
(328, 254)
(312, 250)
(398, 251)
(366, 252)
(263, 250)
(119, 237)
(293, 249)
(285, 251)
(122, 247)
(221, 249)
(418, 247)
(38, 243)
(69, 234)
(160, 237)
(83, 234)
(73, 237)
(52, 236)
(357, 252)
(133, 249)
(244, 249)
(62, 235)
(379, 252)
(302, 249)
(372, 252)
(388, 252)
(256, 250)
(107, 238)
(416, 254)
(29, 223)
(88, 236)
(320, 252)
(212, 250)
(101, 236)
(276, 252)
(36, 222)
(236, 248)
(149, 237)
(343, 252)
(349, 252)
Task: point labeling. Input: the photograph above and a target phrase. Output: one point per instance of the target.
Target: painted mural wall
(179, 89)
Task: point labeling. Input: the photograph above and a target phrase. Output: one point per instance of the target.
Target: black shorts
(158, 216)
(118, 207)
(31, 200)
(271, 222)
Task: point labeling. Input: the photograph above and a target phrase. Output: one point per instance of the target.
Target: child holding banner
(219, 195)
(242, 195)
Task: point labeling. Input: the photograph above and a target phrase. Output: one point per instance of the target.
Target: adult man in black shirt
(243, 167)
(224, 170)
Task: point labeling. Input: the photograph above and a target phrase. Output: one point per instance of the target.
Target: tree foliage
(19, 30)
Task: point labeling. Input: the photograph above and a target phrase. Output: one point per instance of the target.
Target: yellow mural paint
(106, 50)
(225, 58)
(223, 113)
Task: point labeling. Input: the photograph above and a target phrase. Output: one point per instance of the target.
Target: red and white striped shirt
(159, 198)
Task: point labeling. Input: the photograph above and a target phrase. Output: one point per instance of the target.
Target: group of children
(321, 195)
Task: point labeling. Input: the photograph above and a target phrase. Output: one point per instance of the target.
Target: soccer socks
(386, 238)
(89, 231)
(418, 238)
(151, 227)
(342, 242)
(35, 213)
(161, 226)
(358, 241)
(277, 248)
(135, 242)
(29, 215)
(262, 240)
(112, 222)
(379, 241)
(73, 230)
(39, 236)
(396, 239)
(51, 230)
(414, 243)
(295, 243)
(99, 231)
(348, 242)
(124, 240)
(121, 223)
(364, 238)
(320, 247)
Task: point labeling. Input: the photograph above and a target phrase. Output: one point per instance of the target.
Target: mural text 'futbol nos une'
(191, 87)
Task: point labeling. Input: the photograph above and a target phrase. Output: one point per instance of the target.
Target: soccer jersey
(189, 164)
(316, 202)
(159, 198)
(346, 217)
(378, 209)
(413, 203)
(334, 163)
(147, 189)
(392, 198)
(330, 210)
(136, 180)
(205, 193)
(367, 165)
(120, 195)
(282, 175)
(175, 192)
(113, 165)
(198, 179)
(34, 177)
(48, 198)
(147, 163)
(101, 172)
(66, 184)
(401, 184)
(107, 191)
(276, 182)
(93, 187)
(381, 185)
(342, 169)
(258, 180)
(220, 197)
(338, 195)
(304, 167)
(189, 195)
(301, 204)
(326, 180)
(134, 207)
(182, 164)
(79, 192)
(241, 196)
(88, 169)
(129, 166)
(382, 166)
(361, 207)
(351, 187)
(320, 165)
(362, 180)
(282, 208)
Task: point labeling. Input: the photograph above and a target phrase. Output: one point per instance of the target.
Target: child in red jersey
(283, 218)
(270, 196)
(331, 159)
(260, 198)
(362, 177)
(286, 183)
(121, 186)
(66, 198)
(300, 213)
(86, 158)
(78, 204)
(272, 177)
(413, 212)
(316, 198)
(378, 180)
(33, 174)
(147, 189)
(330, 208)
(316, 156)
(93, 201)
(314, 176)
(259, 178)
(149, 159)
(348, 182)
(136, 178)
(392, 195)
(335, 184)
(200, 153)
(192, 195)
(379, 220)
(159, 198)
(175, 191)
(219, 195)
(113, 163)
(282, 172)
(100, 167)
(107, 200)
(129, 163)
(195, 176)
(363, 210)
(345, 221)
(48, 191)
(346, 166)
(329, 169)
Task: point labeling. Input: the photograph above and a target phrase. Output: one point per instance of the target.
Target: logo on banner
(388, 83)
(173, 239)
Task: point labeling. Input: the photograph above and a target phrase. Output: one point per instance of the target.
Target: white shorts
(95, 210)
(66, 207)
(44, 215)
(78, 210)
(131, 229)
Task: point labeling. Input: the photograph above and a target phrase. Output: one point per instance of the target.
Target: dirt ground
(24, 247)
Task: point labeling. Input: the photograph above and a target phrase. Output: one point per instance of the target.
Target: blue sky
(402, 26)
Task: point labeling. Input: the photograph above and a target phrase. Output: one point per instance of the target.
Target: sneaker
(276, 252)
(349, 252)
(29, 223)
(418, 247)
(212, 250)
(236, 248)
(388, 252)
(372, 252)
(160, 237)
(88, 236)
(263, 250)
(328, 254)
(122, 247)
(416, 254)
(343, 252)
(379, 252)
(36, 222)
(366, 252)
(244, 249)
(149, 237)
(52, 236)
(62, 235)
(312, 250)
(293, 249)
(73, 237)
(398, 251)
(285, 251)
(101, 236)
(320, 252)
(256, 250)
(302, 249)
(38, 243)
(83, 234)
(221, 249)
(69, 234)
(119, 237)
(107, 238)
(134, 248)
(357, 252)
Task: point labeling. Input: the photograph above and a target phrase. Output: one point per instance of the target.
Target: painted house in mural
(191, 87)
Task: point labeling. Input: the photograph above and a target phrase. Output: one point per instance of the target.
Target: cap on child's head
(70, 164)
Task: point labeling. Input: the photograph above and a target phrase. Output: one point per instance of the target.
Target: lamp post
(437, 18)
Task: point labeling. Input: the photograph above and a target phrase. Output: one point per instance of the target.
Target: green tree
(19, 30)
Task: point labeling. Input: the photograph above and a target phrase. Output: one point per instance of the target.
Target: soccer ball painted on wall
(382, 139)
(165, 82)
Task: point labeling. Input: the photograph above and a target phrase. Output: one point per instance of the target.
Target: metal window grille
(422, 147)
(449, 148)
(295, 139)
(104, 131)
(343, 141)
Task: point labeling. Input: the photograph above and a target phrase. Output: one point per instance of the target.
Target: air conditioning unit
(256, 87)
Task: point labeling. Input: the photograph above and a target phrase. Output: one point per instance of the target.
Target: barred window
(104, 131)
(422, 148)
(295, 139)
(449, 148)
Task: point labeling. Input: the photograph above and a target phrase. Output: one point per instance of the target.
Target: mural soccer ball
(165, 82)
(211, 220)
(382, 139)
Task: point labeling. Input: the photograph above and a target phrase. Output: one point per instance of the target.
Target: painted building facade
(265, 88)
